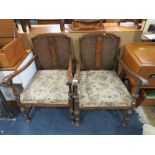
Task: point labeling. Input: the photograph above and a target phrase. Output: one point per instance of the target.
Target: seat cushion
(102, 89)
(46, 87)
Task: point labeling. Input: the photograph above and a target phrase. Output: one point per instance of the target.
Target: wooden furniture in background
(87, 24)
(27, 23)
(12, 49)
(140, 58)
(48, 21)
(11, 53)
(8, 28)
(146, 97)
(137, 22)
(24, 23)
(52, 21)
(111, 20)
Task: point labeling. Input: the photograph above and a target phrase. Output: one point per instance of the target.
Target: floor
(54, 121)
(146, 114)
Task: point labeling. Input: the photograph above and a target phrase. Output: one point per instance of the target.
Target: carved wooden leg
(77, 115)
(70, 101)
(76, 108)
(71, 108)
(25, 111)
(127, 113)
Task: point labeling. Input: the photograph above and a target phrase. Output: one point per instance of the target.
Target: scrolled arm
(8, 78)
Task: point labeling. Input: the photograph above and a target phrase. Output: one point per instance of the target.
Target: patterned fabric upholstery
(48, 87)
(102, 89)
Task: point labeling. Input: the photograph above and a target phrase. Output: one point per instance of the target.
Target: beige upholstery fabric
(48, 87)
(102, 89)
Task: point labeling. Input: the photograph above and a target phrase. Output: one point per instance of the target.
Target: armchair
(52, 54)
(96, 83)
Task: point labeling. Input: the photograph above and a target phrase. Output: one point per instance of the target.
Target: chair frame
(127, 111)
(26, 107)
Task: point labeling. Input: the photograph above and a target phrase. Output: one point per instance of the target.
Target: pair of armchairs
(93, 82)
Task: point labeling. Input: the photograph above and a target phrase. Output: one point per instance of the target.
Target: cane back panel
(98, 51)
(52, 51)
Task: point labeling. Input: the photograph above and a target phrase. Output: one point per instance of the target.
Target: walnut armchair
(52, 54)
(96, 83)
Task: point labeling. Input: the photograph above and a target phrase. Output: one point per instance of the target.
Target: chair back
(98, 51)
(52, 51)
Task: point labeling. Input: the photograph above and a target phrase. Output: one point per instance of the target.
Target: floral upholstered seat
(102, 88)
(51, 86)
(47, 87)
(96, 83)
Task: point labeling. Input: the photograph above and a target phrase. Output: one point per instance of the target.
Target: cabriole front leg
(25, 111)
(128, 112)
(70, 101)
(76, 107)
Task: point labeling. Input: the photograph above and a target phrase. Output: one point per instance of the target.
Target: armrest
(9, 77)
(141, 81)
(77, 74)
(70, 70)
